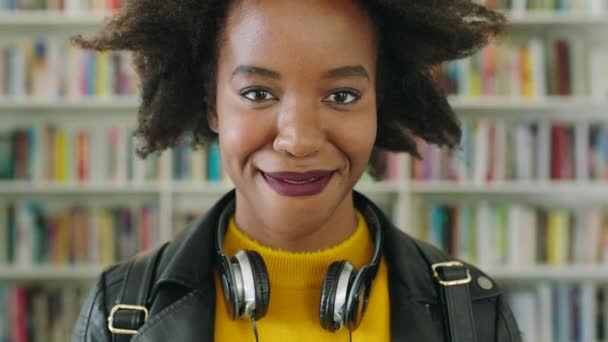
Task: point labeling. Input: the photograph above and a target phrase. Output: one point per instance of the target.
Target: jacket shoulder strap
(453, 278)
(130, 310)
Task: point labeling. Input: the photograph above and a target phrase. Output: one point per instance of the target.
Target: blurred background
(525, 197)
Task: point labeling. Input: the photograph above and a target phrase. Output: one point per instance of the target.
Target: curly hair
(175, 42)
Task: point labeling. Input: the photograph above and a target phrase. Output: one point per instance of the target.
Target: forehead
(298, 32)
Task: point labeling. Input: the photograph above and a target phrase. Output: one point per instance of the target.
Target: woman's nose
(299, 131)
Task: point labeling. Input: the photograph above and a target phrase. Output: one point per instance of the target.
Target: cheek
(357, 137)
(240, 133)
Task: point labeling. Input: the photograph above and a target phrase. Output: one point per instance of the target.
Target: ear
(212, 120)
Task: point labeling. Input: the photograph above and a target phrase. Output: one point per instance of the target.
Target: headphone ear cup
(229, 288)
(261, 282)
(329, 292)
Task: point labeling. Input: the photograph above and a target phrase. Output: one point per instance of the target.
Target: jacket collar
(191, 261)
(192, 253)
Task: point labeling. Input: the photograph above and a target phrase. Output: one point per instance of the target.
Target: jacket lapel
(184, 292)
(408, 275)
(190, 319)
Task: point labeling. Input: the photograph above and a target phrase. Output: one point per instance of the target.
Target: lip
(276, 181)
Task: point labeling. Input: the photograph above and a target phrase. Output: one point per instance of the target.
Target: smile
(298, 184)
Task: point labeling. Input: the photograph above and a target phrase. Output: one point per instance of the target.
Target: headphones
(345, 291)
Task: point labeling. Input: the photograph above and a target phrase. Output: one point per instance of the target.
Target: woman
(299, 94)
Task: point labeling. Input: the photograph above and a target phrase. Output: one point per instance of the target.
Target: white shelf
(383, 187)
(24, 187)
(110, 104)
(87, 18)
(547, 103)
(386, 187)
(597, 273)
(200, 188)
(486, 104)
(513, 187)
(181, 188)
(49, 273)
(51, 18)
(540, 17)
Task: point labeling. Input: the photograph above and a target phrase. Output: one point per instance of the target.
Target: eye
(343, 97)
(257, 95)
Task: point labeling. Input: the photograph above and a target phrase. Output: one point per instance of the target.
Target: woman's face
(295, 94)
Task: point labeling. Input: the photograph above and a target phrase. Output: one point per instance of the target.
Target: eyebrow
(253, 70)
(344, 71)
(347, 71)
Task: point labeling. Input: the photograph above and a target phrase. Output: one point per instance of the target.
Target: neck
(297, 232)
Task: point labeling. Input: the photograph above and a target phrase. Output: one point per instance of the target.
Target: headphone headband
(373, 223)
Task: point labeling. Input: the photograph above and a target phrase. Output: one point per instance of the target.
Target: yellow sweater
(295, 282)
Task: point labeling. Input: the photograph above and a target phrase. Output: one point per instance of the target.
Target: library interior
(524, 196)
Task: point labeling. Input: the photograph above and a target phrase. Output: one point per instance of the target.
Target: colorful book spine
(517, 235)
(37, 314)
(51, 68)
(526, 70)
(493, 150)
(32, 234)
(558, 6)
(61, 5)
(214, 165)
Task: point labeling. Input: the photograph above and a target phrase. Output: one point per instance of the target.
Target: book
(55, 153)
(497, 150)
(38, 233)
(37, 67)
(39, 314)
(527, 69)
(508, 233)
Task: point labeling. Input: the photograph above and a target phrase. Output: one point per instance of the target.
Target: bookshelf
(401, 196)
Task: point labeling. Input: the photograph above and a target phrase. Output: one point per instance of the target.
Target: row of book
(202, 163)
(108, 5)
(530, 69)
(491, 150)
(560, 6)
(63, 153)
(559, 312)
(39, 314)
(60, 5)
(498, 150)
(52, 68)
(517, 234)
(33, 233)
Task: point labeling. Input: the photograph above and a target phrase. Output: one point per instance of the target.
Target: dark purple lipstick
(298, 183)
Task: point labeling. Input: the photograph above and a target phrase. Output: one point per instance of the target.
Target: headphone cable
(255, 328)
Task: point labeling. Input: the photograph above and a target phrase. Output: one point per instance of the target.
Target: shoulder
(92, 321)
(494, 320)
(481, 286)
(412, 259)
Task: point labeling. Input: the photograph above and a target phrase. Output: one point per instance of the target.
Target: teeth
(299, 182)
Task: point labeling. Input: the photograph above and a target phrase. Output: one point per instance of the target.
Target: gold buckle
(119, 307)
(450, 282)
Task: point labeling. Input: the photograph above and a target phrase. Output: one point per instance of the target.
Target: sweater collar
(306, 269)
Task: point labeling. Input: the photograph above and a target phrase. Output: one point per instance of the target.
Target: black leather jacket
(183, 292)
